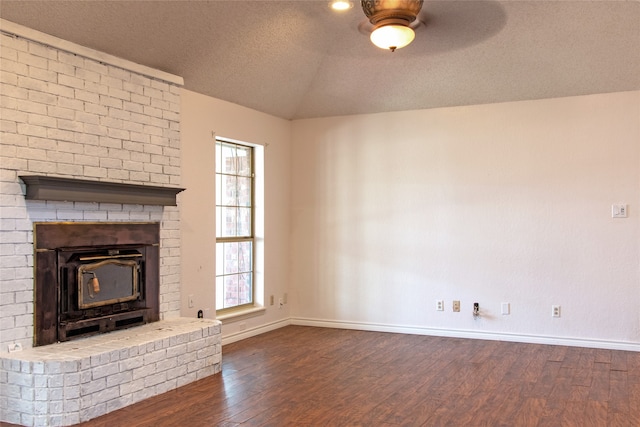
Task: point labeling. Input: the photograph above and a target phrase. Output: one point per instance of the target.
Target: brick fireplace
(72, 114)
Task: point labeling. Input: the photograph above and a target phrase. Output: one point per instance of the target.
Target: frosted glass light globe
(392, 36)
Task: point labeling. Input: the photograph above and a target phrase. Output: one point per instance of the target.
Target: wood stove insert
(94, 277)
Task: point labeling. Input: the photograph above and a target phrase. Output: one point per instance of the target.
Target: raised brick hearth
(67, 383)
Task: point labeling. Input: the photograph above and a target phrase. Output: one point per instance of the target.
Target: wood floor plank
(619, 361)
(595, 413)
(619, 392)
(530, 412)
(600, 382)
(545, 383)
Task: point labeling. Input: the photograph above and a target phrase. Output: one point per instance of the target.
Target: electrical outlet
(440, 305)
(280, 302)
(456, 306)
(505, 308)
(271, 300)
(190, 301)
(555, 311)
(13, 347)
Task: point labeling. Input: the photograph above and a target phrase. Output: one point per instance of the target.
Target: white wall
(492, 203)
(201, 117)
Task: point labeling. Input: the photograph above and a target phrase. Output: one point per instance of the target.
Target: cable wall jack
(476, 310)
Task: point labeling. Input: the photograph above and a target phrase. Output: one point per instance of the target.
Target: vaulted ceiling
(299, 59)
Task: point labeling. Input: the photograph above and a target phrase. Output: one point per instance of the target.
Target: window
(234, 225)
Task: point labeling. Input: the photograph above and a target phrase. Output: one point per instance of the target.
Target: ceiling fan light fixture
(341, 5)
(392, 21)
(392, 36)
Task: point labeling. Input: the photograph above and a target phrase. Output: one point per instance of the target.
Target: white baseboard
(453, 333)
(252, 332)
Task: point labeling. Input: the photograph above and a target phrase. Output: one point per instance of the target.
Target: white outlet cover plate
(619, 210)
(13, 347)
(505, 308)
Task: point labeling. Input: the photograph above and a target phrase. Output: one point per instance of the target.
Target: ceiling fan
(392, 23)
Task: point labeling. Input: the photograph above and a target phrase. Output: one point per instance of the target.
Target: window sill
(241, 314)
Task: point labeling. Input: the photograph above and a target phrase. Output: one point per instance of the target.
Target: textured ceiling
(299, 59)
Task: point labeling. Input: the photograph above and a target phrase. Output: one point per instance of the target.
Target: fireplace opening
(100, 290)
(94, 277)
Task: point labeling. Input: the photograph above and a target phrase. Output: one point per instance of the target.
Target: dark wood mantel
(41, 187)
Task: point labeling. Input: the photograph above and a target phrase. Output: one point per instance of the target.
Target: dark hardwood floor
(303, 376)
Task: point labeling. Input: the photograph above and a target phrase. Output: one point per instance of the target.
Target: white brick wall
(66, 115)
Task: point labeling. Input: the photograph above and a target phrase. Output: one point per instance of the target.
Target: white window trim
(258, 308)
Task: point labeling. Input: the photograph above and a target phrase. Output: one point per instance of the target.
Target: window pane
(219, 258)
(244, 191)
(228, 159)
(244, 257)
(245, 288)
(218, 157)
(219, 293)
(230, 258)
(219, 221)
(228, 219)
(244, 161)
(229, 191)
(230, 291)
(218, 190)
(244, 222)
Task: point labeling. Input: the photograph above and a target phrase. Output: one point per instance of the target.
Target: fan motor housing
(386, 12)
